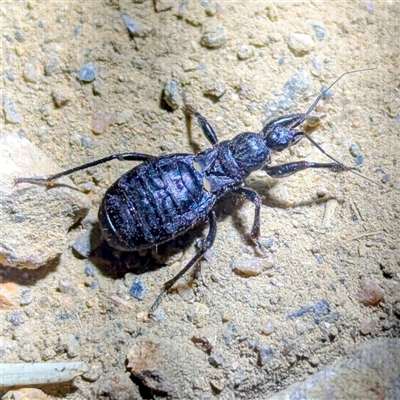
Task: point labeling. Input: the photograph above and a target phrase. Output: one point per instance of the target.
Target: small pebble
(385, 178)
(61, 96)
(94, 372)
(215, 89)
(30, 73)
(269, 327)
(387, 325)
(368, 326)
(65, 286)
(25, 394)
(185, 291)
(138, 288)
(244, 52)
(210, 8)
(319, 32)
(78, 30)
(102, 121)
(70, 343)
(359, 160)
(354, 150)
(299, 83)
(16, 318)
(265, 355)
(26, 297)
(322, 192)
(317, 67)
(214, 36)
(215, 360)
(128, 20)
(158, 315)
(135, 27)
(163, 5)
(89, 270)
(124, 117)
(87, 73)
(216, 385)
(11, 76)
(171, 94)
(86, 141)
(48, 354)
(94, 285)
(98, 87)
(10, 112)
(314, 361)
(51, 66)
(371, 294)
(204, 340)
(82, 244)
(252, 267)
(300, 44)
(19, 37)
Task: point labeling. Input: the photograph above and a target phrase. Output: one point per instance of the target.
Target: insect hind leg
(206, 246)
(121, 156)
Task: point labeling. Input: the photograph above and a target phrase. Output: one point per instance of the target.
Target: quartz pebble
(300, 44)
(101, 121)
(252, 267)
(10, 111)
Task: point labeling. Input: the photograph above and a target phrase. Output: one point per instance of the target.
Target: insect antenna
(350, 169)
(319, 97)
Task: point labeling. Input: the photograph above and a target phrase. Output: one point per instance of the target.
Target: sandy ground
(326, 233)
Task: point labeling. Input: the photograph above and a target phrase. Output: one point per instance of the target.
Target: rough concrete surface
(80, 81)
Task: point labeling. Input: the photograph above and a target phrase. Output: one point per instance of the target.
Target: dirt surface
(330, 237)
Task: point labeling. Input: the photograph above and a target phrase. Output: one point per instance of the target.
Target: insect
(165, 196)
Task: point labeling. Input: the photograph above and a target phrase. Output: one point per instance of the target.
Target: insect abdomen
(153, 203)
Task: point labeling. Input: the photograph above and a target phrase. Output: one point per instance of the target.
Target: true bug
(166, 196)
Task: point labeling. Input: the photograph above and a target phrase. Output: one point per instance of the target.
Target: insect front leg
(122, 157)
(205, 126)
(212, 220)
(284, 170)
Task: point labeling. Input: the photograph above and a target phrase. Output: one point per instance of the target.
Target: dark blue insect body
(160, 199)
(165, 196)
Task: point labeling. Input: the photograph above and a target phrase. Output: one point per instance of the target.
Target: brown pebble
(370, 294)
(217, 386)
(120, 303)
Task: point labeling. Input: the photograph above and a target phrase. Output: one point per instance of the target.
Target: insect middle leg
(206, 246)
(205, 126)
(121, 157)
(284, 170)
(254, 197)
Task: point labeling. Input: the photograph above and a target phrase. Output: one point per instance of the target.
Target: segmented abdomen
(153, 203)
